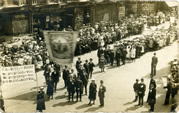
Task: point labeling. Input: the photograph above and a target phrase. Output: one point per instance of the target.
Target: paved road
(118, 81)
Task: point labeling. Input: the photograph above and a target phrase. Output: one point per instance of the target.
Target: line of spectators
(104, 33)
(132, 49)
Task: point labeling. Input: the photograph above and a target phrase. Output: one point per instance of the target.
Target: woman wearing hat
(92, 91)
(40, 100)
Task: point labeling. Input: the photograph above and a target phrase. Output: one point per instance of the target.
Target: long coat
(66, 74)
(50, 86)
(92, 91)
(154, 61)
(152, 97)
(40, 101)
(55, 76)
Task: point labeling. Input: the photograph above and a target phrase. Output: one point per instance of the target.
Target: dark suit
(65, 76)
(141, 93)
(91, 66)
(169, 90)
(86, 66)
(71, 88)
(101, 94)
(40, 101)
(55, 77)
(152, 98)
(118, 57)
(78, 64)
(79, 89)
(153, 65)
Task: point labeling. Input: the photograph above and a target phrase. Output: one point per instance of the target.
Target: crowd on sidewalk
(130, 49)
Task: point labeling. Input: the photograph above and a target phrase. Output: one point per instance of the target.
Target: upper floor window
(54, 1)
(13, 2)
(1, 3)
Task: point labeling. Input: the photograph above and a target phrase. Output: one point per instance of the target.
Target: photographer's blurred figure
(2, 104)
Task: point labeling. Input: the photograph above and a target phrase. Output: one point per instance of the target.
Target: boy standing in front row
(101, 93)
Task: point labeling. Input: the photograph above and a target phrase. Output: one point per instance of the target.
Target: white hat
(41, 88)
(92, 79)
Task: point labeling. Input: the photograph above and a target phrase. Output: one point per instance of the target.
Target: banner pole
(36, 77)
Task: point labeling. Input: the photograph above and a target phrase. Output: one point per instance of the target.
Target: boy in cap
(136, 88)
(101, 93)
(91, 66)
(142, 88)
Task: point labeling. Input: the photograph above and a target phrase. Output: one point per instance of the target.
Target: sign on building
(121, 12)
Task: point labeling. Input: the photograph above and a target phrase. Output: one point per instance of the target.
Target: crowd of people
(104, 33)
(25, 51)
(108, 38)
(130, 49)
(73, 83)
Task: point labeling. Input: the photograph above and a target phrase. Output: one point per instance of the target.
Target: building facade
(27, 16)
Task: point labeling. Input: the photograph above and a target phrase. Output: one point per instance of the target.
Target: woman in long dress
(133, 52)
(102, 63)
(92, 91)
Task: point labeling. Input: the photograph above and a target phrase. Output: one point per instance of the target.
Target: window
(54, 1)
(13, 2)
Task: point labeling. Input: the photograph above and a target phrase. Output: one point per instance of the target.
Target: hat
(92, 79)
(41, 88)
(101, 81)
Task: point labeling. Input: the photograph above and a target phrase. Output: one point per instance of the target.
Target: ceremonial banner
(15, 74)
(61, 46)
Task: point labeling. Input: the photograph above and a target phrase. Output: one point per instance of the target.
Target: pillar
(5, 3)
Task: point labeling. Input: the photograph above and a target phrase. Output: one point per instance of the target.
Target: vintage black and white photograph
(89, 56)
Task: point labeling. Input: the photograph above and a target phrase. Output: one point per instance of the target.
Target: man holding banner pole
(61, 46)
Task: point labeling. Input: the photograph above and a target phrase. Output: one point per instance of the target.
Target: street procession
(89, 56)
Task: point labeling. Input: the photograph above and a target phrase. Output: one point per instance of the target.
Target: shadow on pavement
(96, 72)
(132, 108)
(61, 89)
(38, 87)
(31, 96)
(83, 106)
(128, 103)
(64, 104)
(61, 97)
(160, 73)
(92, 109)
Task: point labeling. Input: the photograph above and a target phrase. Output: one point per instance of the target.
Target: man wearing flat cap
(101, 93)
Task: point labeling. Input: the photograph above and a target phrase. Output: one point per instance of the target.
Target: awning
(172, 3)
